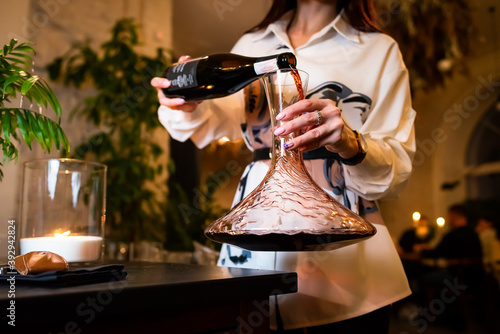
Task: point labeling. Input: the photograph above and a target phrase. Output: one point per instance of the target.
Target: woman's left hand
(321, 124)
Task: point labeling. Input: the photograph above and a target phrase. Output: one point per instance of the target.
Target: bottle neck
(270, 64)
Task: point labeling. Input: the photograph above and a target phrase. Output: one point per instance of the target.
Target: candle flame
(61, 235)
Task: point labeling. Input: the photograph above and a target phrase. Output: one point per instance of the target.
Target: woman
(357, 80)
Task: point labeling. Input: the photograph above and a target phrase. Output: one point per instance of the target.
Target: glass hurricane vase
(63, 208)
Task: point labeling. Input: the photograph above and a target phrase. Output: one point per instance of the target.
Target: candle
(75, 248)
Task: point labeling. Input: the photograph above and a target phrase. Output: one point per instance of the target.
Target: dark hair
(360, 13)
(459, 209)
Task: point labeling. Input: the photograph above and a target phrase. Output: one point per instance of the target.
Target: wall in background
(13, 24)
(205, 27)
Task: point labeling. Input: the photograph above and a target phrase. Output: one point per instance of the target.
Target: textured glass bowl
(288, 211)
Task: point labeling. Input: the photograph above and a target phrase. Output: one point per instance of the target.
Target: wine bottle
(220, 75)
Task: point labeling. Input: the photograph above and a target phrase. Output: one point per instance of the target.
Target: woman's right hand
(172, 103)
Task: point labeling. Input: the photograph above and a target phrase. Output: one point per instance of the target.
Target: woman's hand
(331, 131)
(175, 103)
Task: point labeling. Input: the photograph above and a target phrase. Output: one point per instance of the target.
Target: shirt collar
(339, 24)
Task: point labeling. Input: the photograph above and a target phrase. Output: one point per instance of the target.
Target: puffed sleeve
(212, 119)
(390, 137)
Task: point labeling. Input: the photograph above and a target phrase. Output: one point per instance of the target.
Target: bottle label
(266, 66)
(182, 75)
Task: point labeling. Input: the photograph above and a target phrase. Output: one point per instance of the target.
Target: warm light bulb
(416, 216)
(440, 221)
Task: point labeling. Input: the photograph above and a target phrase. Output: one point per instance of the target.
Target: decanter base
(288, 242)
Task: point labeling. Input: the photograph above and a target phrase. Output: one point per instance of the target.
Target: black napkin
(77, 276)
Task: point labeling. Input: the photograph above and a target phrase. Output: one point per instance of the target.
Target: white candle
(75, 248)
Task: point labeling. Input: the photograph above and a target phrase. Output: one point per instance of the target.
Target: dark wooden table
(154, 298)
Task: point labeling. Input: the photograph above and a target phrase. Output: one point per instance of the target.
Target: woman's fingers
(325, 134)
(310, 140)
(172, 103)
(179, 104)
(183, 58)
(160, 82)
(302, 122)
(306, 115)
(301, 107)
(319, 123)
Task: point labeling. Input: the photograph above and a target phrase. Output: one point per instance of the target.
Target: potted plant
(122, 108)
(16, 78)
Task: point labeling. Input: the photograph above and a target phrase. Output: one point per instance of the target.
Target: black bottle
(220, 75)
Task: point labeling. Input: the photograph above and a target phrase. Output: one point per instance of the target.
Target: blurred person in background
(460, 242)
(488, 229)
(419, 236)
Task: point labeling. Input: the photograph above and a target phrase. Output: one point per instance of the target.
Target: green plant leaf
(10, 151)
(6, 125)
(10, 79)
(39, 94)
(24, 128)
(12, 43)
(35, 129)
(21, 55)
(47, 138)
(28, 84)
(15, 68)
(15, 77)
(4, 63)
(53, 133)
(25, 48)
(15, 60)
(63, 138)
(22, 48)
(51, 97)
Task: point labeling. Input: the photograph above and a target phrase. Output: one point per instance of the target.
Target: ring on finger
(320, 117)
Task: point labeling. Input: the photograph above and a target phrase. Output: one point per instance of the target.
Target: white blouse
(365, 75)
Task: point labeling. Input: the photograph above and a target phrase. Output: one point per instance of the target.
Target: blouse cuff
(372, 177)
(180, 124)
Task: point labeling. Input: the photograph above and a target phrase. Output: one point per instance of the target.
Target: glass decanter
(288, 211)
